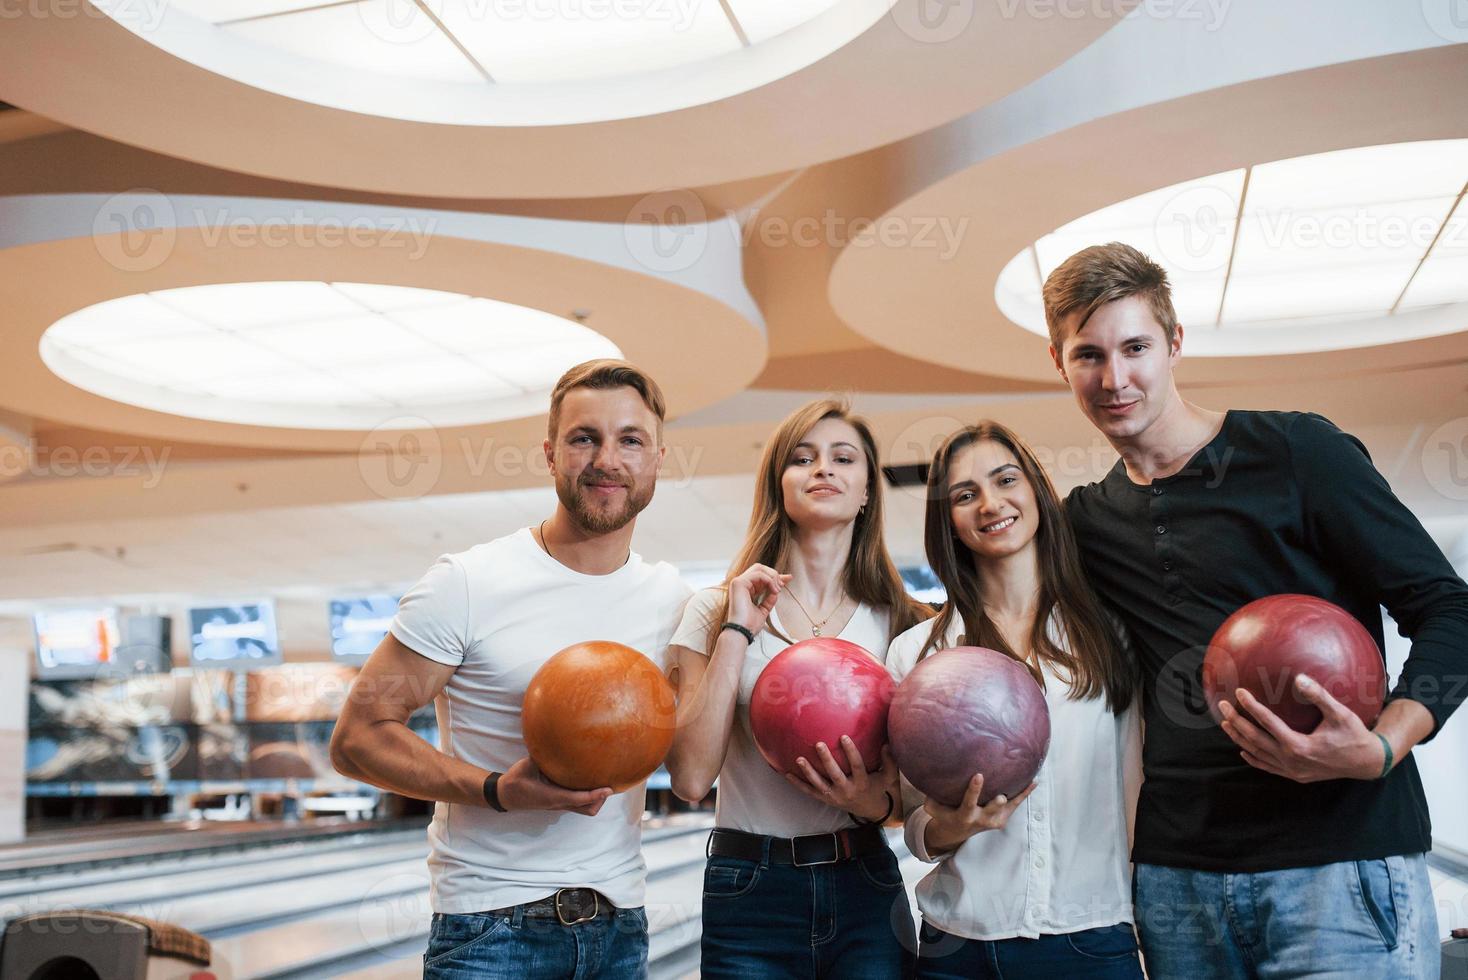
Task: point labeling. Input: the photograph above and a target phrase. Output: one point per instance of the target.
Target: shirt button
(1156, 491)
(1039, 862)
(1162, 529)
(1038, 814)
(1167, 566)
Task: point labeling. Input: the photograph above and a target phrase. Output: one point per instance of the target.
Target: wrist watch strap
(492, 791)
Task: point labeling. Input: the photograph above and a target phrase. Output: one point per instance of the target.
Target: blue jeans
(1343, 921)
(495, 946)
(849, 920)
(1105, 953)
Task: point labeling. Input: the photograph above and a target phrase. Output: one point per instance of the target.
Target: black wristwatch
(492, 791)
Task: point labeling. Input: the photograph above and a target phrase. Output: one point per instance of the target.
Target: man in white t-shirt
(529, 879)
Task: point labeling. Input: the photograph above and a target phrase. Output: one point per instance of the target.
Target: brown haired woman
(1039, 885)
(800, 880)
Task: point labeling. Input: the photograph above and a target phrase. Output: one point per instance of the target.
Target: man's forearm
(390, 756)
(1404, 722)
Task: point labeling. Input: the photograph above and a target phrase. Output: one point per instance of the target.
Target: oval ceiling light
(1330, 251)
(319, 355)
(455, 61)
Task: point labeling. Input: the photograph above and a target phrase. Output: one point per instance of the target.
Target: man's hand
(1340, 747)
(951, 826)
(524, 787)
(862, 794)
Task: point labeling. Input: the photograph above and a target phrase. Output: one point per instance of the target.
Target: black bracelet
(492, 791)
(742, 631)
(891, 805)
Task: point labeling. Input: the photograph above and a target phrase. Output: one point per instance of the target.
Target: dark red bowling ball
(816, 691)
(598, 714)
(965, 711)
(1266, 644)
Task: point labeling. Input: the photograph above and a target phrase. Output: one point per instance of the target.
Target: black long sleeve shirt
(1276, 502)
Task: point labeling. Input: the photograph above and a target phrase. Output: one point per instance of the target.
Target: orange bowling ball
(598, 714)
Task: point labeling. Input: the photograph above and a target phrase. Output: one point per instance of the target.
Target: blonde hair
(870, 576)
(1102, 274)
(604, 374)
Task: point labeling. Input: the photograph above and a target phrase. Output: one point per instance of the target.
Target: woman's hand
(951, 826)
(872, 796)
(752, 596)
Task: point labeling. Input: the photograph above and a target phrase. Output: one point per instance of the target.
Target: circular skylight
(481, 62)
(320, 355)
(1323, 252)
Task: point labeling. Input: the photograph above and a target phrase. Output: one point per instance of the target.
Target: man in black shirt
(1259, 851)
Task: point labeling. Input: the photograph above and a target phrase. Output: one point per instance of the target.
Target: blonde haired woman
(800, 880)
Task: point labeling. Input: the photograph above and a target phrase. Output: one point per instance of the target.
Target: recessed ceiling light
(1334, 250)
(461, 61)
(320, 355)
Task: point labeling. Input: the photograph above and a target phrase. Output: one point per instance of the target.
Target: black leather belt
(800, 851)
(567, 906)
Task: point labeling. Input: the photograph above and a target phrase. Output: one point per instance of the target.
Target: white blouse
(752, 796)
(1061, 863)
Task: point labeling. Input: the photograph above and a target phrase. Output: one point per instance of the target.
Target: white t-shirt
(752, 796)
(497, 612)
(1061, 863)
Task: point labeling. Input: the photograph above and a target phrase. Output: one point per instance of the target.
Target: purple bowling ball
(964, 711)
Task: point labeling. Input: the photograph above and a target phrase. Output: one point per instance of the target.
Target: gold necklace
(815, 627)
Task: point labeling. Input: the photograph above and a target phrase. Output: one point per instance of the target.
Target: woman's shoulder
(698, 615)
(902, 653)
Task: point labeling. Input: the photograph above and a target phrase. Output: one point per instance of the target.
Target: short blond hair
(603, 374)
(1102, 274)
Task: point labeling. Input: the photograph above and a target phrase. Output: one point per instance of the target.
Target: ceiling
(843, 222)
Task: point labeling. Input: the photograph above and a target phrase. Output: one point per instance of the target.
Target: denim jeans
(849, 920)
(1105, 953)
(485, 946)
(1344, 921)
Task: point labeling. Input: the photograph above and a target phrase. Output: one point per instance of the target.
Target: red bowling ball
(1266, 644)
(965, 711)
(816, 691)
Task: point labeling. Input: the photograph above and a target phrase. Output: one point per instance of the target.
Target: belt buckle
(795, 849)
(560, 916)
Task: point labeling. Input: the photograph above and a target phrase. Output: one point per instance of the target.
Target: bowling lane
(238, 863)
(385, 921)
(160, 891)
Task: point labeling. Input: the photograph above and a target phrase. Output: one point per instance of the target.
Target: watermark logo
(667, 231)
(401, 459)
(400, 21)
(943, 234)
(936, 21)
(1194, 229)
(1448, 19)
(135, 231)
(394, 910)
(1445, 459)
(31, 458)
(141, 16)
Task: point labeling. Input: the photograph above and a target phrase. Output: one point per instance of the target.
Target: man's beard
(595, 520)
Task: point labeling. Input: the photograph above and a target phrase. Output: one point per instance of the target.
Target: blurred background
(284, 285)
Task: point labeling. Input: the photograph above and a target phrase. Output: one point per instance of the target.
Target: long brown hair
(1096, 663)
(869, 576)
